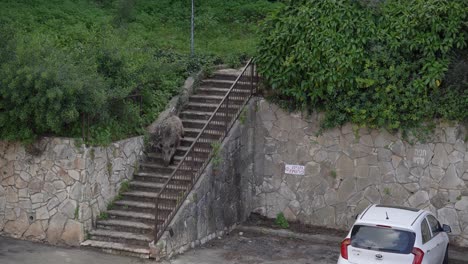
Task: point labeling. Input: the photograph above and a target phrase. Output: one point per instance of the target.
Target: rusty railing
(173, 193)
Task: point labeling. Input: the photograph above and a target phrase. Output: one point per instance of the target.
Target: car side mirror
(447, 228)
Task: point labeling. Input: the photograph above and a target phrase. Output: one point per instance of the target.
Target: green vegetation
(281, 221)
(216, 158)
(103, 216)
(124, 187)
(109, 168)
(77, 211)
(397, 64)
(243, 116)
(64, 61)
(387, 191)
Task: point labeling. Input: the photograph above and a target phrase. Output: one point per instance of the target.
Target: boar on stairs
(166, 139)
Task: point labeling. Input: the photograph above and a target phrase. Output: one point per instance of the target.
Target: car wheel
(446, 259)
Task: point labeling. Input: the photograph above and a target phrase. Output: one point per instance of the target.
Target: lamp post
(192, 28)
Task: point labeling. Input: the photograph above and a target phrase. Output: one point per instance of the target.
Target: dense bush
(62, 60)
(375, 63)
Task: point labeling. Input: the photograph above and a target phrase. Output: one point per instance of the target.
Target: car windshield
(382, 239)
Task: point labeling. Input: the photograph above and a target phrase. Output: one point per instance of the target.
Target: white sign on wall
(294, 169)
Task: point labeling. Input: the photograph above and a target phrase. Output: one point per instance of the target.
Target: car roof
(398, 216)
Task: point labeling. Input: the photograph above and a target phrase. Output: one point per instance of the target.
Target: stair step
(211, 134)
(158, 178)
(225, 75)
(217, 83)
(157, 158)
(143, 207)
(221, 91)
(188, 141)
(156, 187)
(209, 107)
(125, 226)
(119, 248)
(196, 123)
(199, 149)
(124, 223)
(134, 205)
(117, 234)
(131, 214)
(157, 168)
(210, 99)
(120, 237)
(201, 115)
(171, 198)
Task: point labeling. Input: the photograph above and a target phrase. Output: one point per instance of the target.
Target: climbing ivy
(374, 63)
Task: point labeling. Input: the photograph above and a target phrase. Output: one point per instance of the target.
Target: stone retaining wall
(348, 169)
(55, 191)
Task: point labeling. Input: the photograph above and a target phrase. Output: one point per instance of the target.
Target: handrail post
(252, 70)
(156, 219)
(227, 116)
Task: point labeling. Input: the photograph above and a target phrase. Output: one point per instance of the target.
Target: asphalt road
(253, 248)
(13, 251)
(248, 248)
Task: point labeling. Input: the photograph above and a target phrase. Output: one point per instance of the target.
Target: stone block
(440, 156)
(73, 233)
(11, 195)
(451, 179)
(68, 208)
(35, 232)
(419, 199)
(449, 216)
(42, 213)
(462, 204)
(74, 174)
(55, 228)
(17, 227)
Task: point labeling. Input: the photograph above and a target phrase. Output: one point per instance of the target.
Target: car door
(439, 236)
(429, 245)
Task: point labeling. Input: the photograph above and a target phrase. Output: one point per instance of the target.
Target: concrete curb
(317, 238)
(325, 239)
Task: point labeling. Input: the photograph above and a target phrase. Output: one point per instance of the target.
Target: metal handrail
(158, 231)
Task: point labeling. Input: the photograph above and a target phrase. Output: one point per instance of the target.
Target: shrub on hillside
(373, 64)
(62, 60)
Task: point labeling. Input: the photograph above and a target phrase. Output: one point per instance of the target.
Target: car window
(382, 239)
(434, 225)
(425, 231)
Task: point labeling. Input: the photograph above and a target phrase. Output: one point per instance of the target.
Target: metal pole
(252, 72)
(192, 29)
(226, 120)
(156, 219)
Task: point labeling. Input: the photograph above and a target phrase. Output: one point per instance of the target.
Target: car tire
(446, 258)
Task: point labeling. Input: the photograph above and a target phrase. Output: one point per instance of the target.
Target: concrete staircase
(129, 226)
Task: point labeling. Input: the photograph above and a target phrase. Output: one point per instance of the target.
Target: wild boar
(166, 138)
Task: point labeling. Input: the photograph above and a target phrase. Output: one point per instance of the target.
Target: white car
(395, 235)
